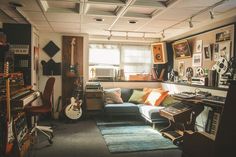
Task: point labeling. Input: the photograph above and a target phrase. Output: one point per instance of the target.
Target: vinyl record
(200, 72)
(221, 66)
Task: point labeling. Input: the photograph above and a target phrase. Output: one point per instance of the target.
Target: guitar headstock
(6, 69)
(73, 41)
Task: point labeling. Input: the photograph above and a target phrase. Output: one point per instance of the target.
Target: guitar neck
(8, 103)
(72, 51)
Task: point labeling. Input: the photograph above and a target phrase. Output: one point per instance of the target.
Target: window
(136, 60)
(106, 61)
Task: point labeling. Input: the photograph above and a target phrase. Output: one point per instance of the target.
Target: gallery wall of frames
(201, 53)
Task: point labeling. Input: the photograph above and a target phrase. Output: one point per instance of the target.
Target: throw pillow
(169, 100)
(156, 97)
(113, 96)
(138, 97)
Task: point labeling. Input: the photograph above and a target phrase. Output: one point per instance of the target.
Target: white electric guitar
(73, 110)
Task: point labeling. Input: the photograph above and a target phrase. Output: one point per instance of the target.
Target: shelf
(199, 86)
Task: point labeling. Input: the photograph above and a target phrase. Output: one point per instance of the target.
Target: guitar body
(73, 111)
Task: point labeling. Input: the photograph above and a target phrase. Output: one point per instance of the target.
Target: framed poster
(197, 60)
(199, 46)
(181, 49)
(207, 52)
(181, 69)
(222, 36)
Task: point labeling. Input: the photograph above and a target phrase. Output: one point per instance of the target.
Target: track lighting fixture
(143, 36)
(163, 34)
(109, 37)
(190, 23)
(211, 14)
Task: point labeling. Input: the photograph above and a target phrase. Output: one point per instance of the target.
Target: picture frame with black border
(181, 49)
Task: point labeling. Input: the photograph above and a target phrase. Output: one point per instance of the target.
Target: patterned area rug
(123, 137)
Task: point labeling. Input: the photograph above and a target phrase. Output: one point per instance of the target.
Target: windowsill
(125, 81)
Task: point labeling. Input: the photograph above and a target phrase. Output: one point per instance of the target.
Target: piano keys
(25, 98)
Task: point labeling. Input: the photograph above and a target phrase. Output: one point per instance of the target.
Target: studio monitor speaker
(159, 53)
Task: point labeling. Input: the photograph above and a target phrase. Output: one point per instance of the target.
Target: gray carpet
(84, 139)
(132, 137)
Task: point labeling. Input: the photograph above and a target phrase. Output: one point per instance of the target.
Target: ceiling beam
(159, 12)
(107, 2)
(150, 4)
(121, 12)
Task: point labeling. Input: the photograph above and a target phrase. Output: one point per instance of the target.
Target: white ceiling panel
(151, 15)
(67, 25)
(60, 4)
(63, 17)
(195, 3)
(35, 16)
(225, 7)
(141, 10)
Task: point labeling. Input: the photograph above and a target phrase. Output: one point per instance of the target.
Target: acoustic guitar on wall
(72, 68)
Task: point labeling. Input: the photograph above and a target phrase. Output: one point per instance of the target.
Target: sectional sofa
(147, 112)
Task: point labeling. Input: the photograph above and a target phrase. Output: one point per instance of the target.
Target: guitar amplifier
(20, 129)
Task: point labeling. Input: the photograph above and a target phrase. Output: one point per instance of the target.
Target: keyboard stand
(180, 119)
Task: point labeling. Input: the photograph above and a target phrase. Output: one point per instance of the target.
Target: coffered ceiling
(118, 18)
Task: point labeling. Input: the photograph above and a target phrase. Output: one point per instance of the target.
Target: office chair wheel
(52, 135)
(50, 141)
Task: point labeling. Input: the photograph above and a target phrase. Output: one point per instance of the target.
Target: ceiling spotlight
(190, 23)
(109, 37)
(127, 36)
(211, 14)
(163, 34)
(99, 19)
(132, 21)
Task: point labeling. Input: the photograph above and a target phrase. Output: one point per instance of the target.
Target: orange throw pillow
(156, 96)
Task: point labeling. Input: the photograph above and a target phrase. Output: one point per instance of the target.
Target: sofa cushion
(138, 97)
(126, 93)
(150, 112)
(112, 96)
(156, 97)
(121, 108)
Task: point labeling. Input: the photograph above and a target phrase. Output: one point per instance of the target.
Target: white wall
(44, 38)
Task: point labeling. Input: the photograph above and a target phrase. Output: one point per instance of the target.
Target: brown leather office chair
(43, 106)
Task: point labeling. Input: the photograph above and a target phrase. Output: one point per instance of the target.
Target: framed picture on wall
(199, 46)
(197, 60)
(181, 68)
(222, 36)
(207, 52)
(181, 49)
(225, 49)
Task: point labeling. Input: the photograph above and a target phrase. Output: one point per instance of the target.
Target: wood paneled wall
(68, 82)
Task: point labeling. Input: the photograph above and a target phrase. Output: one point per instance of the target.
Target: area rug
(129, 138)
